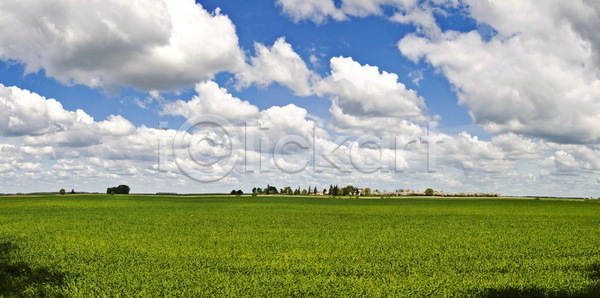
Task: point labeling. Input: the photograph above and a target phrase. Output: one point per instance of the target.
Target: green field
(133, 245)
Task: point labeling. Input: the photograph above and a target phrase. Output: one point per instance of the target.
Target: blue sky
(510, 92)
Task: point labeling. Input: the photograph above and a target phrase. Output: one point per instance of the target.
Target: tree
(233, 192)
(121, 189)
(254, 191)
(287, 191)
(271, 190)
(324, 191)
(72, 191)
(239, 192)
(429, 192)
(367, 191)
(348, 190)
(62, 191)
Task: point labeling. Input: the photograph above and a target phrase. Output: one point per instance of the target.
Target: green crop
(135, 245)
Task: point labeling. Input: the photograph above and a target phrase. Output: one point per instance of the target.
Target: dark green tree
(121, 189)
(429, 192)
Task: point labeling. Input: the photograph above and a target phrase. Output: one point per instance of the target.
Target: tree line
(334, 190)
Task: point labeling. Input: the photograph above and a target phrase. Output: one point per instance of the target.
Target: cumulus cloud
(212, 99)
(44, 122)
(470, 153)
(123, 152)
(414, 12)
(25, 113)
(285, 121)
(316, 10)
(538, 76)
(361, 92)
(280, 64)
(148, 45)
(516, 147)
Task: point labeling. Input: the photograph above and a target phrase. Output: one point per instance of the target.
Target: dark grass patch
(19, 279)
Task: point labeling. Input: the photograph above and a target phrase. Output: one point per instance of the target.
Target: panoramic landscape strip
(300, 148)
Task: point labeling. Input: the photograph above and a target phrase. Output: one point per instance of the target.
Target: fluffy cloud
(26, 113)
(146, 44)
(516, 147)
(316, 10)
(538, 76)
(212, 99)
(319, 10)
(44, 123)
(280, 64)
(279, 122)
(363, 93)
(472, 154)
(122, 153)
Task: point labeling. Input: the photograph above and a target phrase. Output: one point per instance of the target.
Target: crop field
(136, 245)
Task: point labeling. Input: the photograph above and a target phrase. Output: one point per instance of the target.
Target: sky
(209, 96)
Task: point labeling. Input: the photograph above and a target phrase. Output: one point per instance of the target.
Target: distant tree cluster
(119, 190)
(270, 190)
(238, 192)
(349, 190)
(334, 190)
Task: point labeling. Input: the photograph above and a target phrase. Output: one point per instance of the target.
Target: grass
(100, 245)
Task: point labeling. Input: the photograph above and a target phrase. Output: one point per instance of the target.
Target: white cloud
(539, 75)
(517, 147)
(280, 64)
(316, 10)
(116, 126)
(285, 121)
(417, 13)
(470, 153)
(212, 99)
(146, 44)
(122, 153)
(361, 94)
(363, 8)
(69, 165)
(25, 113)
